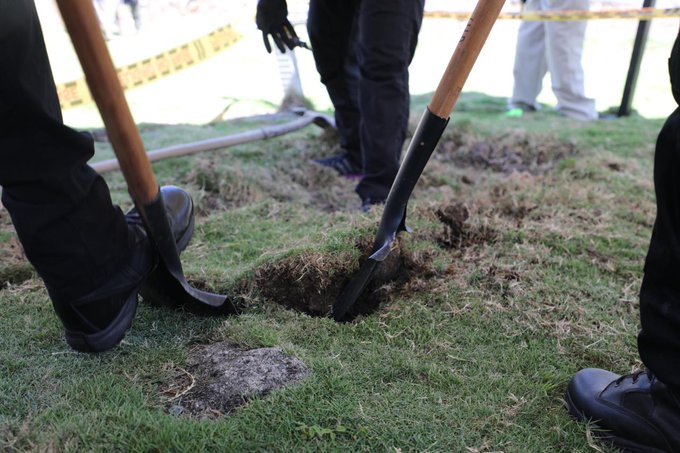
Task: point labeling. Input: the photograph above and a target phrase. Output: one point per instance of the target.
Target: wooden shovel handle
(82, 25)
(477, 30)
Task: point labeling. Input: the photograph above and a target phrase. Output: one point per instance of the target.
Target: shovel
(167, 281)
(423, 143)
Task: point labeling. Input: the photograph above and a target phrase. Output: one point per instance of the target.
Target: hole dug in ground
(311, 282)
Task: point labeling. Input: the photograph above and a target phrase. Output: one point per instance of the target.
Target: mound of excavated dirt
(220, 377)
(507, 152)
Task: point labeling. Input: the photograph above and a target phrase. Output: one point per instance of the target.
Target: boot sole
(109, 337)
(605, 436)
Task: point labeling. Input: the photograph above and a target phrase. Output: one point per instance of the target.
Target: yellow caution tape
(75, 93)
(566, 15)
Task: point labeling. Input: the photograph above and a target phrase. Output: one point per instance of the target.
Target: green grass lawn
(470, 349)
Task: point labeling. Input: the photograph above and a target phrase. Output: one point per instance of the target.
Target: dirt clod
(453, 216)
(456, 233)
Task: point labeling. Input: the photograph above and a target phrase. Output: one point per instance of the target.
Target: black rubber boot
(637, 412)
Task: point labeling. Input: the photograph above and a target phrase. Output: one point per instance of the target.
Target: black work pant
(362, 50)
(61, 209)
(659, 338)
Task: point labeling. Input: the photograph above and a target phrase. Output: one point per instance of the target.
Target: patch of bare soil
(515, 151)
(221, 377)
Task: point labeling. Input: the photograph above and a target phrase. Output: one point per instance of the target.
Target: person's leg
(564, 42)
(60, 207)
(641, 412)
(659, 338)
(134, 11)
(91, 260)
(331, 27)
(530, 65)
(388, 34)
(107, 12)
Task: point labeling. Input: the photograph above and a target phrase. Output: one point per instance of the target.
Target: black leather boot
(637, 412)
(99, 320)
(180, 210)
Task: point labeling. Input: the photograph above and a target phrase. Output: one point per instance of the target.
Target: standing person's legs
(659, 338)
(641, 411)
(530, 65)
(388, 34)
(107, 12)
(134, 11)
(331, 27)
(60, 207)
(564, 42)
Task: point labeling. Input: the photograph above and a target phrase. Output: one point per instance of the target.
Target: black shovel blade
(354, 288)
(423, 143)
(167, 284)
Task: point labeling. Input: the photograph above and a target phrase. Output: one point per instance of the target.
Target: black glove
(272, 19)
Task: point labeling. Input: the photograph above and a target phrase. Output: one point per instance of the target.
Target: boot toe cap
(180, 210)
(583, 392)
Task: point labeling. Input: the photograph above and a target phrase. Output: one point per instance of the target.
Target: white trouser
(556, 47)
(106, 12)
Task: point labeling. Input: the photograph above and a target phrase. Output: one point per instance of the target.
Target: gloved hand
(272, 19)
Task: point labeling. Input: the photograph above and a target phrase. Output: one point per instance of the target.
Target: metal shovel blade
(354, 289)
(167, 284)
(423, 143)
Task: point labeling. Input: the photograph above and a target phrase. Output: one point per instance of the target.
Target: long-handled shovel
(425, 139)
(169, 281)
